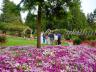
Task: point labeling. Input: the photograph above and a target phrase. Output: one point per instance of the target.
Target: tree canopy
(91, 18)
(10, 19)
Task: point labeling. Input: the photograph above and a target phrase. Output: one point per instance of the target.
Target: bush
(67, 37)
(12, 33)
(91, 37)
(2, 39)
(72, 37)
(77, 41)
(61, 31)
(82, 37)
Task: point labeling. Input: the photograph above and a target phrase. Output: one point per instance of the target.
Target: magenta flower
(80, 58)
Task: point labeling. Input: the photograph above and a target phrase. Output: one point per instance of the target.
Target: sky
(87, 6)
(0, 5)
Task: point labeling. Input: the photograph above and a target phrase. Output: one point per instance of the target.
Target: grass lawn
(18, 41)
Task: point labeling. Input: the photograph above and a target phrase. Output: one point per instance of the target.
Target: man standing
(59, 38)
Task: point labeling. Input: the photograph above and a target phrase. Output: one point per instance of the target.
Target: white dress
(41, 38)
(55, 37)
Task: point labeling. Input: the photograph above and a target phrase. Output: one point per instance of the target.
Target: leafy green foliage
(78, 20)
(31, 21)
(10, 19)
(77, 41)
(12, 27)
(10, 12)
(63, 15)
(2, 39)
(91, 38)
(91, 18)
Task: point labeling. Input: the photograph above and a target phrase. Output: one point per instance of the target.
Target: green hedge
(91, 38)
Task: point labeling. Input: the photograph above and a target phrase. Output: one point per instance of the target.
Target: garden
(47, 36)
(21, 55)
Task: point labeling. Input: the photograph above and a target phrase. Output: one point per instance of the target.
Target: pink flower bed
(48, 59)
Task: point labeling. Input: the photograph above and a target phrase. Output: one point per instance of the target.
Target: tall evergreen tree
(10, 12)
(91, 18)
(79, 20)
(11, 16)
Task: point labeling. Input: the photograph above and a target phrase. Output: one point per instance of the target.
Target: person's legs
(43, 40)
(49, 42)
(52, 41)
(59, 41)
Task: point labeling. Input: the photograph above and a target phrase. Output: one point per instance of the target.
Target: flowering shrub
(91, 43)
(48, 59)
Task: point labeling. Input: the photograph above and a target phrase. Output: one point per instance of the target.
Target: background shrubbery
(2, 39)
(91, 38)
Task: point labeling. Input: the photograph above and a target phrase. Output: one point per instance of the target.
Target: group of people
(51, 38)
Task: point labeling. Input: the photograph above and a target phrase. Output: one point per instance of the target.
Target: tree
(91, 18)
(10, 18)
(29, 5)
(10, 12)
(31, 21)
(66, 16)
(57, 15)
(78, 20)
(42, 4)
(94, 16)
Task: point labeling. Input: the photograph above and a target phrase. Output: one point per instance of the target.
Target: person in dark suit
(59, 39)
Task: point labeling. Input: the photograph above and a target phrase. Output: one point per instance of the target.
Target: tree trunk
(39, 27)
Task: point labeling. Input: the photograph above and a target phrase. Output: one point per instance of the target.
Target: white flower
(17, 64)
(62, 70)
